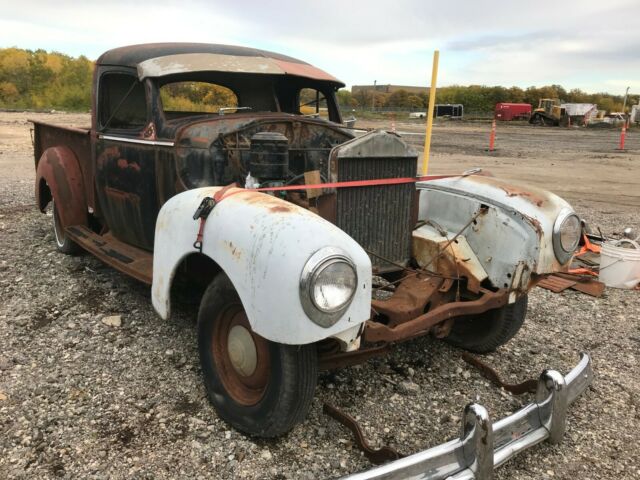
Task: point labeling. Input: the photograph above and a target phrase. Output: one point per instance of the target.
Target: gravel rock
(409, 388)
(5, 363)
(112, 321)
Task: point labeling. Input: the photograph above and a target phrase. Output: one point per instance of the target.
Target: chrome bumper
(484, 445)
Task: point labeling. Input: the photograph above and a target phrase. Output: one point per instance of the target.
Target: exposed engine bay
(274, 151)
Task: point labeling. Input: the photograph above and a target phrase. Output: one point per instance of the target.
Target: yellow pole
(432, 101)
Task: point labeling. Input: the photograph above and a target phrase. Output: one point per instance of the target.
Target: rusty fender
(262, 243)
(512, 238)
(58, 168)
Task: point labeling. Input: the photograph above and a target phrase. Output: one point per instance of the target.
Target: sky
(593, 45)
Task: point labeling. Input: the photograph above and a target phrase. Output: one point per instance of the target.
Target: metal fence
(403, 112)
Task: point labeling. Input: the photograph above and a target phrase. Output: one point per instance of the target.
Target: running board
(132, 261)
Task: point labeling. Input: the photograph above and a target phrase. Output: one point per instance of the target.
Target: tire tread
(299, 367)
(502, 326)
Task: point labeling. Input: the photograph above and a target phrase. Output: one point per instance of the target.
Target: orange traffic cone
(492, 136)
(623, 134)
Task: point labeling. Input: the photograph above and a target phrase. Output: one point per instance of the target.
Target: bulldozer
(549, 112)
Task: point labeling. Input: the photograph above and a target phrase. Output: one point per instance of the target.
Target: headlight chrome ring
(322, 262)
(566, 234)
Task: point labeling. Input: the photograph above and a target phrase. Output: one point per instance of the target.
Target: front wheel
(260, 387)
(487, 331)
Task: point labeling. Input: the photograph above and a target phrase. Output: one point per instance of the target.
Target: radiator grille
(378, 217)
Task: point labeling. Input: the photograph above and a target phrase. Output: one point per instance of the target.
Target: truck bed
(46, 135)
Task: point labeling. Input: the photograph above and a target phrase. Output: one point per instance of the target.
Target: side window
(122, 102)
(201, 97)
(312, 102)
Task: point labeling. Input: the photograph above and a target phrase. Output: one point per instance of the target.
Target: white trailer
(634, 116)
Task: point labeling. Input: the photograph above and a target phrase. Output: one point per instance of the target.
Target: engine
(269, 156)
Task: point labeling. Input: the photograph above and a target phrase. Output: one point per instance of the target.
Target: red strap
(198, 243)
(223, 193)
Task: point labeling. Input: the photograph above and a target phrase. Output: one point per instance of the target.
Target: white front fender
(262, 243)
(515, 236)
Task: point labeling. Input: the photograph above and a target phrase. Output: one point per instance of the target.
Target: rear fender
(59, 170)
(262, 244)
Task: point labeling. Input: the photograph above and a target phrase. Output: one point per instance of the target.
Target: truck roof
(160, 59)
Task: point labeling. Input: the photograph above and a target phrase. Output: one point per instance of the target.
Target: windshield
(197, 97)
(226, 93)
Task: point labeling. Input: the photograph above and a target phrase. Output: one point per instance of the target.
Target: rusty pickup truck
(315, 247)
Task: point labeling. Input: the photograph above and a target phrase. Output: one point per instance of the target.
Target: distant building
(389, 89)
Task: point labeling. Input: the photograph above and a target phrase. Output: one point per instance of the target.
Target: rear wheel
(260, 387)
(63, 242)
(485, 332)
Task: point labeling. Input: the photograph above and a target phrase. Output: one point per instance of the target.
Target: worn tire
(485, 332)
(63, 243)
(278, 402)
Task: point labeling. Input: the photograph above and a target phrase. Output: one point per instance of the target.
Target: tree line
(481, 98)
(39, 79)
(45, 80)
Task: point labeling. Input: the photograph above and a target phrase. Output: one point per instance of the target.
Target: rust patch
(376, 332)
(235, 251)
(149, 132)
(409, 299)
(537, 226)
(280, 209)
(512, 191)
(124, 164)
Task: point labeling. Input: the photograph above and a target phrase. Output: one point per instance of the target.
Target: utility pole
(624, 105)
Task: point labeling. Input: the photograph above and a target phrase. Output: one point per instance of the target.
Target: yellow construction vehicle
(549, 112)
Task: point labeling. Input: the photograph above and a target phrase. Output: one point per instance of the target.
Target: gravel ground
(83, 395)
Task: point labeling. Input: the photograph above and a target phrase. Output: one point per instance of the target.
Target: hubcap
(241, 357)
(242, 351)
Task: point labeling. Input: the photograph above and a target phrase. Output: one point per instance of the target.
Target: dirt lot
(81, 399)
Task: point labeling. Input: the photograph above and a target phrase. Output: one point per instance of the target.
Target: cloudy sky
(589, 44)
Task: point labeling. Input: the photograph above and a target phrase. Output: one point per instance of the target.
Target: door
(125, 161)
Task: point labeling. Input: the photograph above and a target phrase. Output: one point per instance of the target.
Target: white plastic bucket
(620, 266)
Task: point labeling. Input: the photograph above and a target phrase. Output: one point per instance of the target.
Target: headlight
(327, 285)
(566, 235)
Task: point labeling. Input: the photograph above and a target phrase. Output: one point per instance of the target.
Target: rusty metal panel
(59, 168)
(206, 62)
(128, 259)
(378, 332)
(438, 251)
(127, 189)
(133, 55)
(216, 62)
(556, 284)
(75, 139)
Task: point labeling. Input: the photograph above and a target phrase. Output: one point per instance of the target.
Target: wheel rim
(241, 357)
(58, 231)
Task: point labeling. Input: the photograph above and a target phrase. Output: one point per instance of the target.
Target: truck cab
(154, 118)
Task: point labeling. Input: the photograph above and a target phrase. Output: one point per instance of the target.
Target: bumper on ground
(484, 445)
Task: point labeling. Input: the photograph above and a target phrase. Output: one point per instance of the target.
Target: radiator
(379, 218)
